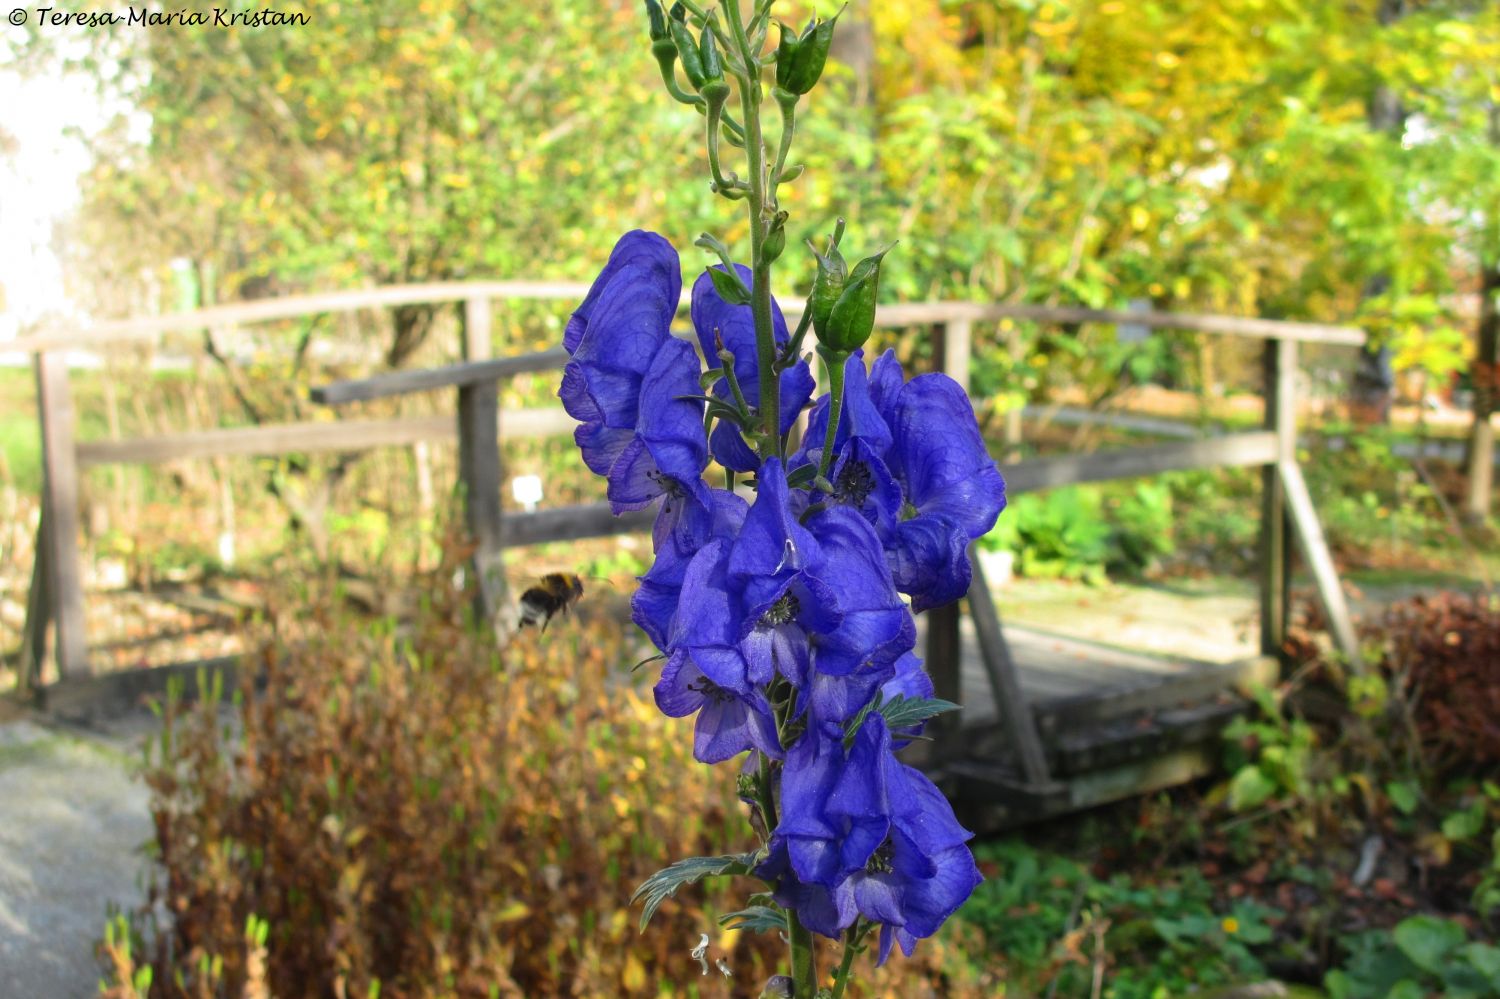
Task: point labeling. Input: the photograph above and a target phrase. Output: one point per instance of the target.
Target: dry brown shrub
(428, 816)
(1447, 647)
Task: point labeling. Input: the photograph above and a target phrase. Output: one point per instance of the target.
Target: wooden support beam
(450, 376)
(38, 614)
(1280, 368)
(958, 345)
(479, 472)
(1252, 448)
(111, 694)
(312, 437)
(1304, 519)
(60, 513)
(944, 653)
(478, 323)
(1016, 719)
(571, 523)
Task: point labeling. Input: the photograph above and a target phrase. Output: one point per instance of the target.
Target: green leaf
(1485, 959)
(1406, 989)
(1464, 825)
(756, 919)
(1427, 941)
(707, 379)
(664, 883)
(729, 286)
(801, 476)
(1403, 795)
(1249, 788)
(904, 712)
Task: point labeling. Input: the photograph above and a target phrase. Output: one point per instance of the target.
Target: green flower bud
(658, 21)
(852, 317)
(827, 286)
(708, 54)
(687, 51)
(775, 240)
(800, 60)
(786, 55)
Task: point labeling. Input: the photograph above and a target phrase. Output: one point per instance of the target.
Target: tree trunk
(1486, 397)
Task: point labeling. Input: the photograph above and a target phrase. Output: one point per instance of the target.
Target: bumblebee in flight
(553, 594)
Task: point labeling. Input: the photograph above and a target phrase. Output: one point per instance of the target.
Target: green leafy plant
(1431, 956)
(1057, 926)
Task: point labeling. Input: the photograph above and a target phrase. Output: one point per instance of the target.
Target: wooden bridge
(1050, 724)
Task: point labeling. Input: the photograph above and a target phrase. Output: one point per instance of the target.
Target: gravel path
(72, 822)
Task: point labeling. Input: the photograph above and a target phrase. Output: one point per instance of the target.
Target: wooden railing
(56, 595)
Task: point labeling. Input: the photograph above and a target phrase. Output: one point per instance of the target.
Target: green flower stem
(726, 358)
(794, 345)
(834, 364)
(760, 290)
(722, 186)
(788, 104)
(841, 977)
(804, 958)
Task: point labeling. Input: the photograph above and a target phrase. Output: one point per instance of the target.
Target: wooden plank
(921, 313)
(479, 470)
(1251, 448)
(1280, 367)
(988, 800)
(275, 438)
(327, 435)
(60, 505)
(958, 345)
(38, 613)
(427, 379)
(112, 694)
(1005, 687)
(478, 323)
(894, 315)
(1314, 547)
(572, 523)
(293, 306)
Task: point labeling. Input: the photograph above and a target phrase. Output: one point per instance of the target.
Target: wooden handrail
(447, 376)
(900, 314)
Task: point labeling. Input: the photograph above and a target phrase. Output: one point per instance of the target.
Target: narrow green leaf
(756, 919)
(664, 883)
(904, 712)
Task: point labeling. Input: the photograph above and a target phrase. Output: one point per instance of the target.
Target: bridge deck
(1114, 723)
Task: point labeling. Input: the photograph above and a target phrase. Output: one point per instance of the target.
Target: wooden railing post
(944, 649)
(479, 466)
(1279, 362)
(63, 568)
(1012, 431)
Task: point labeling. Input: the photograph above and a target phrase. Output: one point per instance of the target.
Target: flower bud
(687, 51)
(779, 987)
(713, 88)
(775, 240)
(852, 317)
(827, 286)
(800, 59)
(657, 19)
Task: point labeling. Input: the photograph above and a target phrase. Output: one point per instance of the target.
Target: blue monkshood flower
(818, 595)
(630, 383)
(834, 813)
(655, 601)
(613, 336)
(863, 834)
(707, 672)
(717, 322)
(912, 460)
